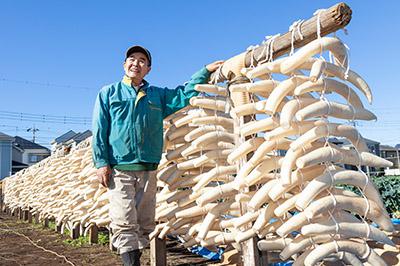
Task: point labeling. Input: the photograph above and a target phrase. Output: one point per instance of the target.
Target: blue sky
(56, 55)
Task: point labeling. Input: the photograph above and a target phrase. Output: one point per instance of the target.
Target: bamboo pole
(331, 20)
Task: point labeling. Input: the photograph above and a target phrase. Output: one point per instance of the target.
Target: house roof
(64, 137)
(5, 137)
(82, 136)
(78, 137)
(370, 141)
(387, 148)
(18, 164)
(26, 144)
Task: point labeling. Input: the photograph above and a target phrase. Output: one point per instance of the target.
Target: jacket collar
(127, 81)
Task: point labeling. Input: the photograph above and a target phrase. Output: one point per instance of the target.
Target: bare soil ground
(15, 249)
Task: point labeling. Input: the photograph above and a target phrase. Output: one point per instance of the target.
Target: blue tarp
(204, 252)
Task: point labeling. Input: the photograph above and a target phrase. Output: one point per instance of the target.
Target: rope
(269, 45)
(318, 14)
(218, 75)
(36, 245)
(251, 48)
(295, 25)
(367, 253)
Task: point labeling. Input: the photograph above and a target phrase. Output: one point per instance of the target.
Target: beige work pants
(132, 208)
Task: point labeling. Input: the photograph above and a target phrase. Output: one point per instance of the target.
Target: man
(127, 146)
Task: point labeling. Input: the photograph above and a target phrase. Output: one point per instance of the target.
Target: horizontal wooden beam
(331, 20)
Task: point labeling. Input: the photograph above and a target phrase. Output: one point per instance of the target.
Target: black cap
(138, 48)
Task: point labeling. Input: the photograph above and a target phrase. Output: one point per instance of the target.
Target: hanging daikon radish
(361, 250)
(328, 85)
(262, 87)
(266, 68)
(207, 103)
(214, 89)
(357, 205)
(338, 155)
(362, 230)
(317, 46)
(284, 88)
(343, 74)
(259, 126)
(334, 109)
(325, 129)
(290, 109)
(330, 178)
(244, 148)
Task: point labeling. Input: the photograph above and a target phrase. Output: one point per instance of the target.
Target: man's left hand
(214, 65)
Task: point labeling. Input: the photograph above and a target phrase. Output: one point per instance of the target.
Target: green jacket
(128, 126)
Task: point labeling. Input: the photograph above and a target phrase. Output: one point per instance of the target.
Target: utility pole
(33, 130)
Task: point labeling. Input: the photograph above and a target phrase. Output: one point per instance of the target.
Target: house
(391, 154)
(69, 140)
(5, 155)
(373, 147)
(17, 155)
(27, 153)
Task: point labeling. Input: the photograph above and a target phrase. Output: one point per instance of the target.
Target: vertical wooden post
(94, 234)
(1, 198)
(29, 214)
(74, 233)
(264, 258)
(36, 218)
(250, 254)
(46, 222)
(58, 228)
(158, 252)
(25, 215)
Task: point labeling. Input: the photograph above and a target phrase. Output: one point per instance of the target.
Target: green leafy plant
(389, 188)
(52, 225)
(79, 242)
(104, 238)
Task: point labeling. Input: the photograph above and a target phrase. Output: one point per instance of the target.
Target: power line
(48, 121)
(46, 115)
(47, 84)
(44, 118)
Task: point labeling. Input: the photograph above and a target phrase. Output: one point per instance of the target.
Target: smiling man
(127, 145)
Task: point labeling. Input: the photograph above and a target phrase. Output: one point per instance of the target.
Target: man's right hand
(104, 175)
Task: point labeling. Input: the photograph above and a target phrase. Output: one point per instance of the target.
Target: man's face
(136, 66)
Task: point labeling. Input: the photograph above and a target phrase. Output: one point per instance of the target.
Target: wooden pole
(331, 20)
(46, 222)
(249, 248)
(37, 218)
(158, 252)
(58, 228)
(74, 233)
(1, 198)
(29, 217)
(94, 234)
